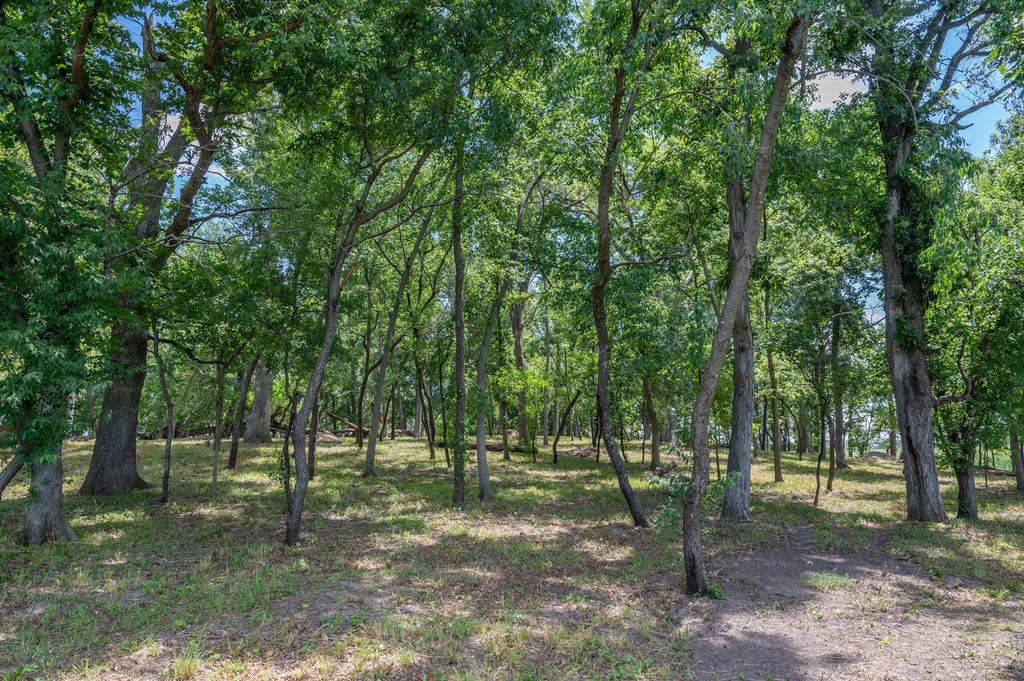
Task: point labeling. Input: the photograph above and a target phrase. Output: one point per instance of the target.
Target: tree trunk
(905, 298)
(803, 444)
(243, 394)
(257, 424)
(604, 346)
(693, 561)
(314, 428)
(11, 470)
(482, 405)
(966, 493)
(459, 446)
(113, 467)
(563, 423)
(736, 499)
(417, 418)
(516, 316)
(44, 517)
(1017, 459)
(165, 481)
(219, 420)
(776, 434)
(839, 429)
(547, 375)
(651, 416)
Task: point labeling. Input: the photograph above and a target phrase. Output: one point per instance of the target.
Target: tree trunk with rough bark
(113, 466)
(963, 467)
(736, 498)
(257, 424)
(651, 416)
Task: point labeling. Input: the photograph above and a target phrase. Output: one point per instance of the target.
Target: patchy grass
(547, 582)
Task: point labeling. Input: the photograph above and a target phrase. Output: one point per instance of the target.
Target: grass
(547, 582)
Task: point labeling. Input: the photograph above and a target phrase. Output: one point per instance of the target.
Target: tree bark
(11, 471)
(651, 416)
(257, 424)
(736, 499)
(113, 466)
(243, 394)
(693, 561)
(963, 466)
(44, 517)
(459, 446)
(803, 444)
(776, 435)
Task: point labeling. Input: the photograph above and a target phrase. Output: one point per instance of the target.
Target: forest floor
(548, 582)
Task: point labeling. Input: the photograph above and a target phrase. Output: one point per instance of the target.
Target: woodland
(511, 339)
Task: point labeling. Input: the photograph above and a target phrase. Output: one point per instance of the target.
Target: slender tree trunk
(565, 420)
(651, 416)
(693, 561)
(839, 430)
(516, 316)
(803, 444)
(505, 454)
(314, 429)
(459, 448)
(113, 467)
(219, 417)
(243, 394)
(258, 422)
(776, 433)
(417, 418)
(11, 471)
(165, 481)
(482, 404)
(547, 375)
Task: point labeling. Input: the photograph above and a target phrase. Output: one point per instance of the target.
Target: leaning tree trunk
(693, 560)
(243, 394)
(11, 470)
(1017, 459)
(257, 424)
(113, 466)
(604, 345)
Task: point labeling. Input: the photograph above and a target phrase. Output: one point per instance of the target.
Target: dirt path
(804, 614)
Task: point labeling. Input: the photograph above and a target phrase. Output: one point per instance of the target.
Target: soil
(803, 614)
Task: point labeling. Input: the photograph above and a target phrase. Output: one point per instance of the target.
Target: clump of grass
(186, 664)
(825, 581)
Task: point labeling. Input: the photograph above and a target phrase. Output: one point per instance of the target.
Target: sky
(977, 136)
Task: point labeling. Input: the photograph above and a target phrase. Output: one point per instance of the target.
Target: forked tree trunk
(113, 466)
(693, 560)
